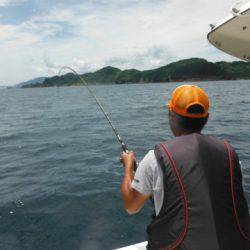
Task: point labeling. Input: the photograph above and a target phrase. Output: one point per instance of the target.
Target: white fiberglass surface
(139, 246)
(241, 5)
(232, 36)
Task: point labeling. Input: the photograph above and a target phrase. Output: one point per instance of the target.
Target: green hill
(194, 69)
(128, 76)
(104, 75)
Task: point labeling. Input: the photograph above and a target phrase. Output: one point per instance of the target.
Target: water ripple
(60, 174)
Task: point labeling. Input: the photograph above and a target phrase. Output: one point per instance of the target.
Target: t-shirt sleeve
(143, 179)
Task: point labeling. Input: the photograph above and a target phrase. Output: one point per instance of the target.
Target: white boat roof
(232, 35)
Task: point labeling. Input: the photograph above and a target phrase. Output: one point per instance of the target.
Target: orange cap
(186, 96)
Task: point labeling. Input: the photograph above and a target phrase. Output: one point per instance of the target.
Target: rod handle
(125, 150)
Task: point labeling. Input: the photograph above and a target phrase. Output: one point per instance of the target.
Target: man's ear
(173, 123)
(170, 116)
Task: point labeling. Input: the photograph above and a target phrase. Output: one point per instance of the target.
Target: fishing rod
(117, 135)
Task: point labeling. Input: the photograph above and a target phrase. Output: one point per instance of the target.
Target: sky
(38, 37)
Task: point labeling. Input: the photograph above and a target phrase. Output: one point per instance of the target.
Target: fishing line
(117, 135)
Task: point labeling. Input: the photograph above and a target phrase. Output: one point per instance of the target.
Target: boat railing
(240, 7)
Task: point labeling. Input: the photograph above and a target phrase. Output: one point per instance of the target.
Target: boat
(232, 36)
(139, 246)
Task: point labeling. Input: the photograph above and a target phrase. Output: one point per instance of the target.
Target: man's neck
(182, 133)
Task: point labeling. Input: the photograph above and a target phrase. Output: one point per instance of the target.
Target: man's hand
(128, 160)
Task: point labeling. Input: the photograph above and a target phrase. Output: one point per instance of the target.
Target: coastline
(194, 80)
(193, 70)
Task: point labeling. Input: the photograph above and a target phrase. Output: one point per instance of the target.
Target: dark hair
(192, 124)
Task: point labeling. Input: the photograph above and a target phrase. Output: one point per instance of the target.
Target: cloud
(10, 2)
(5, 2)
(88, 34)
(150, 58)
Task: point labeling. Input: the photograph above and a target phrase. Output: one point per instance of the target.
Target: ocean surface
(60, 173)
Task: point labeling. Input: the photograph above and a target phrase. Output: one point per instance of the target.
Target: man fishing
(195, 181)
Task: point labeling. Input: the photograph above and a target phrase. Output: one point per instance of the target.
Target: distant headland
(193, 69)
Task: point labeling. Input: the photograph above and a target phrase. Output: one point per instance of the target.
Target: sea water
(60, 173)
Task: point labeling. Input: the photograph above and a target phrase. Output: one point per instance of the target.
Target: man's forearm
(133, 200)
(126, 189)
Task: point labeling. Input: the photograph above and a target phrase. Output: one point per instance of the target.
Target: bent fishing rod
(117, 135)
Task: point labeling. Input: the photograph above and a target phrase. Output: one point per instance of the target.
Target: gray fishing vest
(204, 207)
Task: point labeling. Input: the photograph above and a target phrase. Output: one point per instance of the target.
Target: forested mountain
(194, 69)
(30, 82)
